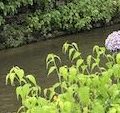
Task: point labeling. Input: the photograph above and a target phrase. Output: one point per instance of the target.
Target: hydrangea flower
(112, 42)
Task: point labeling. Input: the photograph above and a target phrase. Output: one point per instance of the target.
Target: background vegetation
(20, 20)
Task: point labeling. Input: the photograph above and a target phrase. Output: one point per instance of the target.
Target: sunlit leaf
(89, 58)
(84, 94)
(12, 77)
(18, 91)
(51, 70)
(49, 57)
(93, 66)
(55, 56)
(49, 62)
(79, 62)
(7, 78)
(19, 73)
(65, 47)
(96, 49)
(31, 78)
(75, 45)
(63, 72)
(71, 52)
(76, 55)
(98, 108)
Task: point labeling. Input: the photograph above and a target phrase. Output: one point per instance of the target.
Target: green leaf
(116, 70)
(79, 62)
(96, 49)
(70, 52)
(109, 64)
(83, 67)
(42, 101)
(118, 58)
(65, 47)
(1, 5)
(25, 90)
(75, 45)
(7, 78)
(51, 70)
(109, 57)
(31, 78)
(49, 57)
(97, 61)
(112, 110)
(19, 73)
(76, 55)
(12, 77)
(18, 91)
(89, 58)
(93, 66)
(67, 107)
(72, 73)
(84, 94)
(56, 85)
(55, 56)
(49, 62)
(63, 72)
(72, 70)
(98, 108)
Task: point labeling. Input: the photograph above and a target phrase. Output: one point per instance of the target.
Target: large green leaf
(98, 108)
(84, 94)
(31, 78)
(51, 70)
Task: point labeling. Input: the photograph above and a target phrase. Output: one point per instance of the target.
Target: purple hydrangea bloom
(112, 42)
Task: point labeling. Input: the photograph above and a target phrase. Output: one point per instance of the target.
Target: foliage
(8, 8)
(14, 36)
(47, 16)
(87, 86)
(76, 15)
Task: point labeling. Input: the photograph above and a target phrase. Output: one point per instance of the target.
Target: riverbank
(71, 17)
(36, 36)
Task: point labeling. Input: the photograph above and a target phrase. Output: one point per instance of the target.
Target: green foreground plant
(87, 86)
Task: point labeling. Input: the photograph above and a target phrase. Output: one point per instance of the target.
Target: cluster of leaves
(14, 36)
(76, 15)
(86, 86)
(14, 13)
(8, 8)
(47, 16)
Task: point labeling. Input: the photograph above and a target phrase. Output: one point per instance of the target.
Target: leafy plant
(87, 86)
(74, 16)
(51, 16)
(14, 36)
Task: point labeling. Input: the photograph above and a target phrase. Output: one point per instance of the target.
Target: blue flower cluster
(112, 42)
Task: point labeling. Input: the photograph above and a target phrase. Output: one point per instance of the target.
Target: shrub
(14, 36)
(74, 16)
(87, 86)
(47, 16)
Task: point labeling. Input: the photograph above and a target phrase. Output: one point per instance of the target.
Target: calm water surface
(32, 59)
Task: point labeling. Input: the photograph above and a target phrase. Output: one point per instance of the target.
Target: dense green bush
(76, 15)
(47, 16)
(86, 86)
(14, 36)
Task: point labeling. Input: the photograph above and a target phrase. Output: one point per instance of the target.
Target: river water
(32, 59)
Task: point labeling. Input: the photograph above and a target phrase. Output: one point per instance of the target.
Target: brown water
(32, 59)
